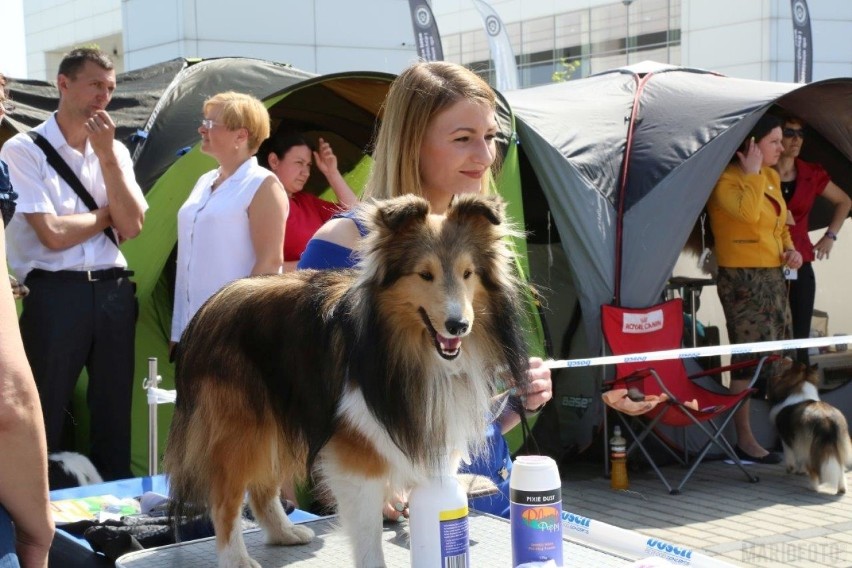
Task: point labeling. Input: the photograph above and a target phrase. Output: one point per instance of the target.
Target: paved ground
(778, 521)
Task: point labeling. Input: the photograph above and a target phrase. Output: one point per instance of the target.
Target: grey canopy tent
(136, 96)
(626, 161)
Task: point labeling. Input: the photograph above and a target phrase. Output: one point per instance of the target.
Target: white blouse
(214, 239)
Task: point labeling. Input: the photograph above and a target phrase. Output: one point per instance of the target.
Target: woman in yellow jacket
(748, 217)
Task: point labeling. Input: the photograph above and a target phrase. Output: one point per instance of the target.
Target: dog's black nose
(456, 326)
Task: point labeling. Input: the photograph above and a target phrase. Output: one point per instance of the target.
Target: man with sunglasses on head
(64, 243)
(801, 183)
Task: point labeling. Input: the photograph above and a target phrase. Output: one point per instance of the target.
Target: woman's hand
(325, 159)
(823, 247)
(395, 511)
(540, 389)
(752, 159)
(792, 259)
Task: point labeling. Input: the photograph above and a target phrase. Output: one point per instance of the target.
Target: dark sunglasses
(794, 132)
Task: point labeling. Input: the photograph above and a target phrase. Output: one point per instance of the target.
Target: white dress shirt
(214, 239)
(41, 190)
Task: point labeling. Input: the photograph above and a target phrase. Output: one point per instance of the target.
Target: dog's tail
(187, 480)
(830, 449)
(831, 473)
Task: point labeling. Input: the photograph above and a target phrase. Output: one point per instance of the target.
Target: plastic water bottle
(438, 523)
(618, 460)
(535, 512)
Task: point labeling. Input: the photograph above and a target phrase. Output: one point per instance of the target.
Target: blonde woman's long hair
(418, 94)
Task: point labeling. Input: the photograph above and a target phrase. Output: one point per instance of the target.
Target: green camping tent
(158, 120)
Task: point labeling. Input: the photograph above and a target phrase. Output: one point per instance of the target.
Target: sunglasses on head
(794, 132)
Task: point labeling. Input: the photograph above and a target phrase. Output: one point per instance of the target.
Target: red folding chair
(660, 328)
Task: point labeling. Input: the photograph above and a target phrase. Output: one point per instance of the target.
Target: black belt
(88, 275)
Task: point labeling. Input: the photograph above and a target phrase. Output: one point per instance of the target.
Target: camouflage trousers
(755, 304)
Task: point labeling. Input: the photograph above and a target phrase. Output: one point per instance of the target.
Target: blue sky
(13, 55)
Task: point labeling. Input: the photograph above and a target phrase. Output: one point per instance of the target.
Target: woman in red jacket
(290, 156)
(801, 182)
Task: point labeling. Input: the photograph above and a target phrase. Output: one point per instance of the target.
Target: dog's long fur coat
(374, 376)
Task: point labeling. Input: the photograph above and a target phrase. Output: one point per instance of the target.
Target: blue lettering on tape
(575, 523)
(672, 553)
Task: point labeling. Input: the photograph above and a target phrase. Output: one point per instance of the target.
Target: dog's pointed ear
(490, 207)
(393, 214)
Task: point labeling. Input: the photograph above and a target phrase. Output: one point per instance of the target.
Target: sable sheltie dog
(371, 378)
(814, 434)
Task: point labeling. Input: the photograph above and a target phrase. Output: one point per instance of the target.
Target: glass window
(538, 35)
(596, 38)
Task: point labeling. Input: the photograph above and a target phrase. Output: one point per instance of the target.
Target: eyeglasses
(208, 123)
(794, 132)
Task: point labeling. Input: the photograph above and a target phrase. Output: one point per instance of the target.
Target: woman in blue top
(437, 139)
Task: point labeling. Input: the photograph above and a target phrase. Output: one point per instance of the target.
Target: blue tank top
(325, 255)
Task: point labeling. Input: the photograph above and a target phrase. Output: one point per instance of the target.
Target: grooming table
(490, 545)
(72, 550)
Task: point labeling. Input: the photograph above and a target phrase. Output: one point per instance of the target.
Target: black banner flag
(425, 31)
(802, 44)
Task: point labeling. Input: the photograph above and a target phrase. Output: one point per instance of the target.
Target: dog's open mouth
(448, 347)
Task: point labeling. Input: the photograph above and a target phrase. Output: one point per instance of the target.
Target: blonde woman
(437, 139)
(232, 224)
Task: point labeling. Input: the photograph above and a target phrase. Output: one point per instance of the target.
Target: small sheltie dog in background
(70, 469)
(814, 434)
(372, 378)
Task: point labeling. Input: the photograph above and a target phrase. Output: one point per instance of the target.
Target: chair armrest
(636, 375)
(742, 365)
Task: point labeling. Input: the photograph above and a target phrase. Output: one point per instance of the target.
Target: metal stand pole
(148, 384)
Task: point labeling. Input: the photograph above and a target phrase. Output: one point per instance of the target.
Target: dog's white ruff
(807, 391)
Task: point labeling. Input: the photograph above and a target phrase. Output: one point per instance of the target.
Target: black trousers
(71, 323)
(802, 294)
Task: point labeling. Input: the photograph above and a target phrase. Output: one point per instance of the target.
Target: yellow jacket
(748, 218)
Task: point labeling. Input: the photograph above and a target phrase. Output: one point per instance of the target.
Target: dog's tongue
(449, 344)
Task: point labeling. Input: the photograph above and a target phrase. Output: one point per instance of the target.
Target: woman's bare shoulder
(340, 231)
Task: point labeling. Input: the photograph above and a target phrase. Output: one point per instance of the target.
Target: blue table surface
(134, 487)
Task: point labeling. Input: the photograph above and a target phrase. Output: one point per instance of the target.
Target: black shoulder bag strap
(64, 171)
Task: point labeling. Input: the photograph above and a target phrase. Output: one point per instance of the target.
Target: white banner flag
(501, 47)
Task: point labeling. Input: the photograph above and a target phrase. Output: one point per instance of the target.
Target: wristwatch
(831, 235)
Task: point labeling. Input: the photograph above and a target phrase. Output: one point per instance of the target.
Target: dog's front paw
(296, 534)
(235, 561)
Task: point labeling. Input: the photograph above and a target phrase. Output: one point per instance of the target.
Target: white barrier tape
(161, 396)
(633, 543)
(693, 352)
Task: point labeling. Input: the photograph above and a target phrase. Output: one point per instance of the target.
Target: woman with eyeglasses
(289, 155)
(801, 183)
(232, 224)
